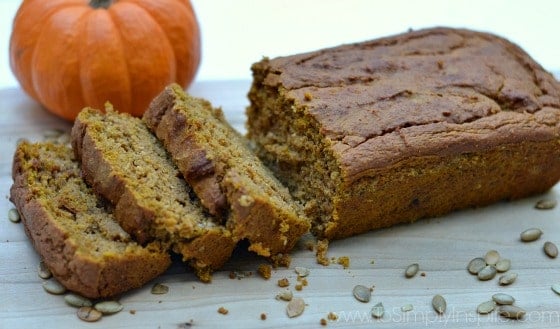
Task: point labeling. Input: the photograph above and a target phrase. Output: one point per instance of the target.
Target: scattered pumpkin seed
(503, 265)
(302, 271)
(556, 288)
(492, 257)
(286, 295)
(511, 312)
(295, 307)
(13, 215)
(507, 279)
(407, 308)
(476, 265)
(439, 304)
(411, 270)
(550, 249)
(503, 299)
(42, 271)
(63, 139)
(159, 289)
(545, 204)
(89, 314)
(109, 307)
(52, 133)
(378, 310)
(531, 234)
(54, 287)
(486, 307)
(487, 273)
(77, 300)
(362, 293)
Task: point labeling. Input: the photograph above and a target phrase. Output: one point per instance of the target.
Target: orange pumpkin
(68, 54)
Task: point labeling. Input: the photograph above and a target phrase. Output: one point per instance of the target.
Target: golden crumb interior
(234, 152)
(289, 142)
(139, 158)
(55, 181)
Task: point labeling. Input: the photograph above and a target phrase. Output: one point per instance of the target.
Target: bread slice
(73, 229)
(415, 125)
(124, 162)
(230, 180)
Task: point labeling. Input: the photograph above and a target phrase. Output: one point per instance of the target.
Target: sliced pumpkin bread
(128, 165)
(229, 179)
(73, 229)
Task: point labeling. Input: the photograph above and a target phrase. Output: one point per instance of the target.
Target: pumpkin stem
(101, 3)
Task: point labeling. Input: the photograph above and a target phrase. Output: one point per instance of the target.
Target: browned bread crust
(126, 164)
(69, 226)
(225, 174)
(415, 125)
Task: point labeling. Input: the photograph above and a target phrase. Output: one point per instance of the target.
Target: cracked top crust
(435, 92)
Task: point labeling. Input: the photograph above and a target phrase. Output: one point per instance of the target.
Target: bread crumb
(132, 312)
(263, 316)
(281, 260)
(307, 96)
(223, 310)
(344, 261)
(321, 254)
(423, 274)
(332, 316)
(323, 322)
(299, 287)
(283, 282)
(265, 271)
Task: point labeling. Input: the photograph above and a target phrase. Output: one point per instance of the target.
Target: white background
(237, 33)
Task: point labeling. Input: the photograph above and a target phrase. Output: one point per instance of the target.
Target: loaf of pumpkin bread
(73, 229)
(415, 125)
(230, 180)
(126, 163)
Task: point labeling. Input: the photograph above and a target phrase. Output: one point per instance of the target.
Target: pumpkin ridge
(58, 105)
(52, 8)
(151, 15)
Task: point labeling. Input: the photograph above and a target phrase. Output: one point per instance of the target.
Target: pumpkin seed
(54, 287)
(52, 133)
(302, 271)
(77, 300)
(550, 249)
(13, 215)
(159, 289)
(486, 307)
(511, 312)
(487, 273)
(531, 234)
(362, 293)
(411, 270)
(42, 271)
(503, 265)
(503, 299)
(109, 307)
(63, 139)
(286, 295)
(407, 308)
(295, 307)
(556, 288)
(545, 204)
(89, 314)
(476, 265)
(378, 310)
(439, 304)
(507, 279)
(492, 257)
